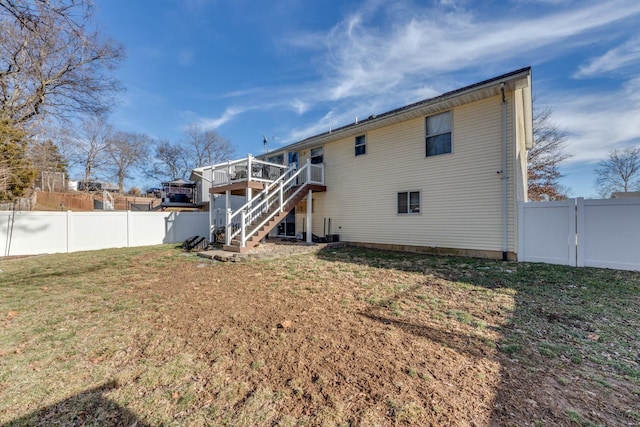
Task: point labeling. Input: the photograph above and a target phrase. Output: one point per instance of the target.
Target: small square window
(361, 145)
(409, 202)
(438, 138)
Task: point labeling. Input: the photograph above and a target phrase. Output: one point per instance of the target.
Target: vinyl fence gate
(581, 233)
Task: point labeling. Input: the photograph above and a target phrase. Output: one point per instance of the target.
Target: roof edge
(512, 75)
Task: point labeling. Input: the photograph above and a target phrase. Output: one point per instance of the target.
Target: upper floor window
(361, 145)
(279, 159)
(316, 155)
(439, 134)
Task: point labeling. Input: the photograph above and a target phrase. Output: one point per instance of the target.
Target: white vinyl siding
(461, 196)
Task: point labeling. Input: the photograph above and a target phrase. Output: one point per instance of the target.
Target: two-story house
(442, 175)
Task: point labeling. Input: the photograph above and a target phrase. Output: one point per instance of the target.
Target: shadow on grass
(469, 344)
(87, 408)
(570, 330)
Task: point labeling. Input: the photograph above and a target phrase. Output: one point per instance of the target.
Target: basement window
(409, 202)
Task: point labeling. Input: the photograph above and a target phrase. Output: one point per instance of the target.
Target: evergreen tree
(16, 171)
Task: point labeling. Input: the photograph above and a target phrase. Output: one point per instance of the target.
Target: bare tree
(545, 157)
(50, 164)
(171, 161)
(198, 148)
(206, 146)
(52, 62)
(620, 172)
(91, 142)
(127, 151)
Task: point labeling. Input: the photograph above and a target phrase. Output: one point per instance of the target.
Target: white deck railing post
(281, 195)
(249, 167)
(243, 228)
(308, 171)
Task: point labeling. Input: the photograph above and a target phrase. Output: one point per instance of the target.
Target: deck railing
(238, 171)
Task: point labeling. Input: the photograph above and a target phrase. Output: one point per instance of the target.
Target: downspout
(505, 228)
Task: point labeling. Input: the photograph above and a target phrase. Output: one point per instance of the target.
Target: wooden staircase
(258, 235)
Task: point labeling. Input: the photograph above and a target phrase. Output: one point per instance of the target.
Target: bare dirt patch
(345, 337)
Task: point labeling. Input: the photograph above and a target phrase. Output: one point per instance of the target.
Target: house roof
(484, 89)
(625, 194)
(178, 183)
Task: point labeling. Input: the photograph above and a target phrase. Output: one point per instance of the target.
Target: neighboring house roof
(484, 89)
(625, 194)
(178, 183)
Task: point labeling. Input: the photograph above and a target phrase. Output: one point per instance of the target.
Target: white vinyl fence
(29, 233)
(583, 233)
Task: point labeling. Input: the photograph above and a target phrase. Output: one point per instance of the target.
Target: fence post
(520, 253)
(129, 228)
(572, 232)
(580, 232)
(69, 231)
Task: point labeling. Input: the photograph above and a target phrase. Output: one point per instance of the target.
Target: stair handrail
(108, 202)
(245, 207)
(284, 186)
(262, 193)
(252, 210)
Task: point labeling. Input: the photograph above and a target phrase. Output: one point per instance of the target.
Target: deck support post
(227, 229)
(309, 213)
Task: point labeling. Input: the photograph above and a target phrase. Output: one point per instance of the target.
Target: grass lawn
(151, 336)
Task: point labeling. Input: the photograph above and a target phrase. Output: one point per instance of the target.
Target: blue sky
(291, 69)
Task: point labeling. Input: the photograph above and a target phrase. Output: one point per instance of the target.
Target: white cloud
(244, 92)
(430, 42)
(227, 115)
(619, 57)
(339, 116)
(299, 106)
(399, 60)
(388, 54)
(599, 121)
(320, 126)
